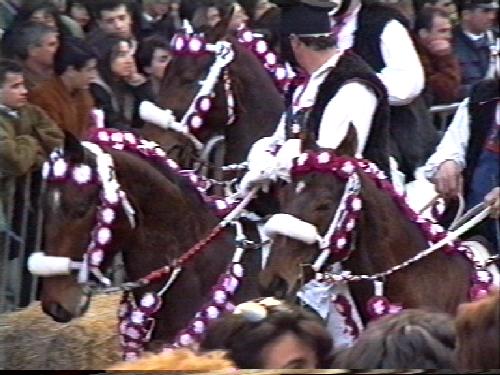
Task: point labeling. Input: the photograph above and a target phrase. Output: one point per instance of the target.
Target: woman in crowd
(410, 339)
(267, 333)
(120, 88)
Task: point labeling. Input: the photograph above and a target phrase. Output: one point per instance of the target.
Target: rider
(340, 90)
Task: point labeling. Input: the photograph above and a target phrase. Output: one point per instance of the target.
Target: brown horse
(383, 237)
(258, 105)
(170, 217)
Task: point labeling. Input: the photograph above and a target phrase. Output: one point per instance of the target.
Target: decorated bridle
(338, 242)
(195, 45)
(136, 320)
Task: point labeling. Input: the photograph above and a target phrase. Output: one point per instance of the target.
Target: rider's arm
(453, 146)
(354, 103)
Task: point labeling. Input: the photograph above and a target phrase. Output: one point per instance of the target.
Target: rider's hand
(448, 179)
(493, 200)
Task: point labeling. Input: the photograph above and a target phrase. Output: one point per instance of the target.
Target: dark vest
(413, 135)
(482, 110)
(351, 68)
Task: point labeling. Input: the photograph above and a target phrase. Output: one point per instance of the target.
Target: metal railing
(442, 115)
(20, 235)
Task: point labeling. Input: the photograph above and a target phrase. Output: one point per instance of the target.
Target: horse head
(310, 203)
(71, 198)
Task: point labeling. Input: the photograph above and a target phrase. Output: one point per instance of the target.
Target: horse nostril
(59, 313)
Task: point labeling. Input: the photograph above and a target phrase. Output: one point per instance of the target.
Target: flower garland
(148, 150)
(343, 168)
(195, 45)
(259, 47)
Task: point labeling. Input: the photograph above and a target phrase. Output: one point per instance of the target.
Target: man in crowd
(467, 159)
(35, 46)
(472, 41)
(442, 71)
(114, 18)
(323, 109)
(379, 34)
(27, 135)
(66, 97)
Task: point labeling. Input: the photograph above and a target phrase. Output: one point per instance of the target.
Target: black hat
(482, 4)
(306, 17)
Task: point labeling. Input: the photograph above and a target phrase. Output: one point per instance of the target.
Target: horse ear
(73, 149)
(349, 145)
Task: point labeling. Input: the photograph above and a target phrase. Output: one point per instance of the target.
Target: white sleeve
(354, 103)
(453, 146)
(403, 75)
(279, 135)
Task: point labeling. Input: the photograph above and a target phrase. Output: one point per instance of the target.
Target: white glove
(290, 150)
(255, 178)
(150, 112)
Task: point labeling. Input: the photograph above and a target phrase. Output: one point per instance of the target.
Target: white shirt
(403, 75)
(354, 102)
(453, 146)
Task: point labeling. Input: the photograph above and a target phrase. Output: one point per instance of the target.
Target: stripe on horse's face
(55, 199)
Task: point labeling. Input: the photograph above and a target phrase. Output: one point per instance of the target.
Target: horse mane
(477, 326)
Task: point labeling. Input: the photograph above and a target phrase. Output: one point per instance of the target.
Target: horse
(257, 107)
(381, 236)
(170, 217)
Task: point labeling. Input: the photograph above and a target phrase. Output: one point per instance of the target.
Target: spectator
(380, 35)
(66, 98)
(472, 40)
(44, 11)
(170, 22)
(478, 340)
(441, 68)
(407, 340)
(120, 88)
(448, 6)
(265, 19)
(114, 19)
(152, 59)
(27, 135)
(35, 46)
(8, 11)
(206, 17)
(178, 360)
(267, 333)
(466, 161)
(80, 12)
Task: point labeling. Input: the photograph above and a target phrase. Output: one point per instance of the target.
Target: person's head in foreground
(267, 333)
(178, 360)
(410, 339)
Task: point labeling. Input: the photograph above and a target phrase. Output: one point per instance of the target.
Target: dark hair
(73, 52)
(108, 5)
(478, 341)
(320, 43)
(106, 49)
(425, 18)
(23, 37)
(410, 339)
(145, 52)
(8, 66)
(32, 6)
(244, 339)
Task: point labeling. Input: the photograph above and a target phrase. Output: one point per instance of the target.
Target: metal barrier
(20, 235)
(442, 115)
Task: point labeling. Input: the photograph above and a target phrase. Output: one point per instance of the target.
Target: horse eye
(323, 207)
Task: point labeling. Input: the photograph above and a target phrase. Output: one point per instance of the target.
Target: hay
(31, 340)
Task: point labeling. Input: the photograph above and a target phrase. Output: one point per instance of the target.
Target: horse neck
(385, 236)
(170, 215)
(259, 105)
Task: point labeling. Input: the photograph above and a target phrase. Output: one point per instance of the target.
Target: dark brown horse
(384, 237)
(170, 217)
(258, 105)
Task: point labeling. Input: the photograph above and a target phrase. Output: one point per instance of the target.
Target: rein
(436, 236)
